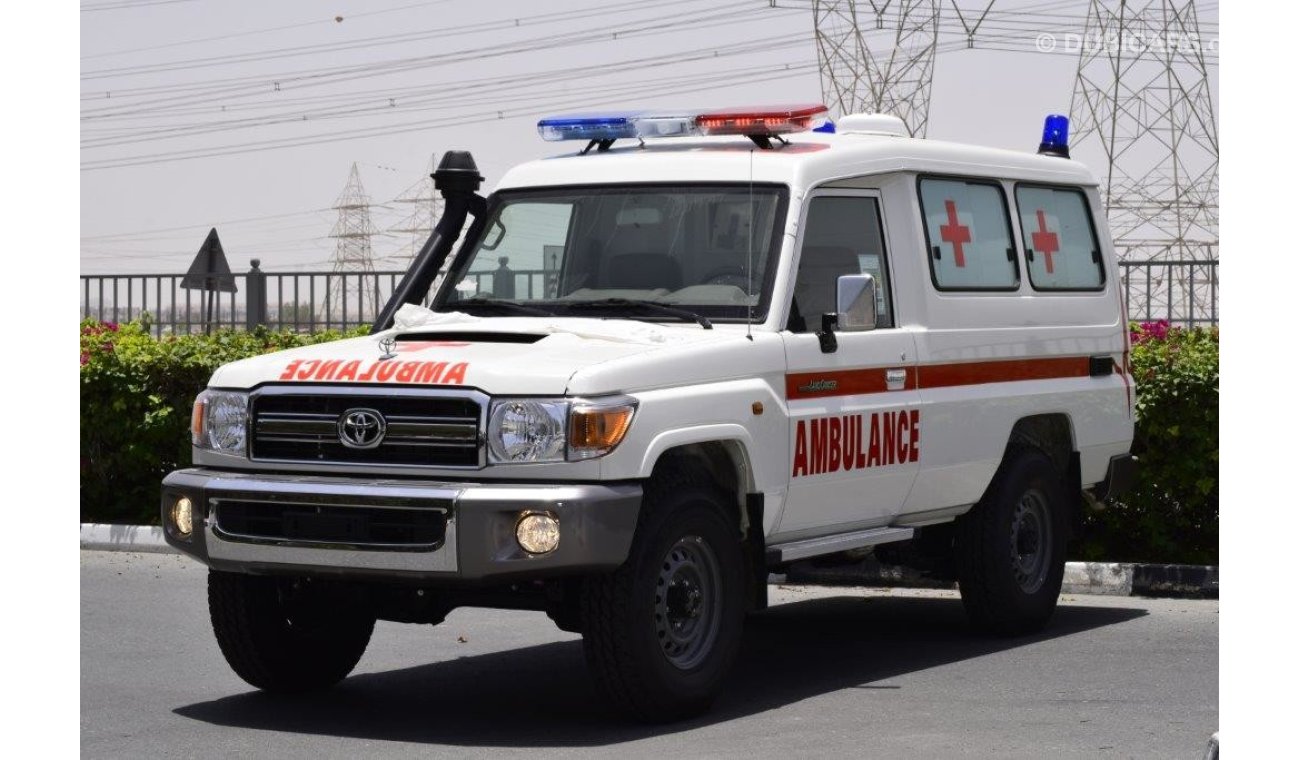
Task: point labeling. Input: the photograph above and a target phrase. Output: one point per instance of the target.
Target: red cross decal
(956, 233)
(1045, 241)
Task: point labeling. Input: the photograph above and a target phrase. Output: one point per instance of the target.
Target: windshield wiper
(480, 302)
(659, 308)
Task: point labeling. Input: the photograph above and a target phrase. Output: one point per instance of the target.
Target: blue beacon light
(1056, 137)
(603, 126)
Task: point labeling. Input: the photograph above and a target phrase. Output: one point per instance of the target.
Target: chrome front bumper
(597, 522)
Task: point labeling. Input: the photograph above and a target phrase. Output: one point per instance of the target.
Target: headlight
(551, 430)
(527, 430)
(220, 421)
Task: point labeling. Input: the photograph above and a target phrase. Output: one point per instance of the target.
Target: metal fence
(298, 301)
(1184, 292)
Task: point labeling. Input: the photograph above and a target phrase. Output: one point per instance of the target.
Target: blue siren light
(1056, 136)
(589, 126)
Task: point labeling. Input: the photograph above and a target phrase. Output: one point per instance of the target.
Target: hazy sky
(239, 82)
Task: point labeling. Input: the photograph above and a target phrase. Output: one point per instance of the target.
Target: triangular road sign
(210, 271)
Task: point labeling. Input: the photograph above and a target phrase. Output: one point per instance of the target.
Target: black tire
(1010, 548)
(660, 655)
(280, 643)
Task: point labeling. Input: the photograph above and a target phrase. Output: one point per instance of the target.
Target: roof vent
(871, 124)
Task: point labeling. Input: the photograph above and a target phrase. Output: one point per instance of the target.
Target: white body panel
(865, 494)
(697, 386)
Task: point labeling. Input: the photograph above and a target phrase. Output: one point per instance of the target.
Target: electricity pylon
(1142, 94)
(425, 205)
(353, 286)
(892, 72)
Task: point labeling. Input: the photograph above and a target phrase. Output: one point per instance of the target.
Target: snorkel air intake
(458, 180)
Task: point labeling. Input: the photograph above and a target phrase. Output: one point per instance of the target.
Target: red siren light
(765, 120)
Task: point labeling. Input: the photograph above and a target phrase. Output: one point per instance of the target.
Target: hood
(507, 355)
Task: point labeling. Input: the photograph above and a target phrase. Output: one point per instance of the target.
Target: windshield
(708, 250)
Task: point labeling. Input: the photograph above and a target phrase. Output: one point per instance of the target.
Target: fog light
(183, 516)
(538, 533)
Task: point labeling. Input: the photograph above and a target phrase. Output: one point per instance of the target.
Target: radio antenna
(749, 257)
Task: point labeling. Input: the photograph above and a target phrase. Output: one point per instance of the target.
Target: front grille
(422, 430)
(400, 528)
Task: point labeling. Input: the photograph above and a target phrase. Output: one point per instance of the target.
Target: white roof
(809, 160)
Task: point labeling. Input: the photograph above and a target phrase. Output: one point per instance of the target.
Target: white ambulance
(702, 347)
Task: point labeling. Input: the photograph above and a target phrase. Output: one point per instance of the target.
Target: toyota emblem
(361, 428)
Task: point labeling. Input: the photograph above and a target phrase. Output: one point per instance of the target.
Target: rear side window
(968, 231)
(1060, 244)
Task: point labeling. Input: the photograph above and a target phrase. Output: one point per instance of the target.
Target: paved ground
(825, 673)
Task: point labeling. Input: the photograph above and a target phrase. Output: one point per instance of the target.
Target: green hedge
(136, 395)
(1172, 513)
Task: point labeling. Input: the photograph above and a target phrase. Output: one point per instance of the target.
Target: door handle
(895, 379)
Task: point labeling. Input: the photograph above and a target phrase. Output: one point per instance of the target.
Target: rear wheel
(1011, 547)
(661, 632)
(278, 638)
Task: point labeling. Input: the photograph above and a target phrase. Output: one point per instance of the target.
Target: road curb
(1109, 578)
(1105, 578)
(124, 538)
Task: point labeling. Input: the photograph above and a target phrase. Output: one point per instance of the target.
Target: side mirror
(855, 302)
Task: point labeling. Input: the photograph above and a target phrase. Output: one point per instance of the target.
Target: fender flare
(717, 432)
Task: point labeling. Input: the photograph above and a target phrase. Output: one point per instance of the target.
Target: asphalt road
(824, 673)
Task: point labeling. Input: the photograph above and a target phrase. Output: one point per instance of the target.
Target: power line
(481, 95)
(138, 134)
(443, 122)
(754, 46)
(368, 42)
(567, 72)
(203, 224)
(118, 5)
(1013, 32)
(247, 86)
(268, 30)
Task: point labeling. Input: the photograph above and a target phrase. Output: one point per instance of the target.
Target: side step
(813, 547)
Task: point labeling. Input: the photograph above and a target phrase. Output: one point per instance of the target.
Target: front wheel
(1011, 547)
(661, 632)
(279, 638)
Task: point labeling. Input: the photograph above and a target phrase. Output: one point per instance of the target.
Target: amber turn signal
(595, 430)
(196, 420)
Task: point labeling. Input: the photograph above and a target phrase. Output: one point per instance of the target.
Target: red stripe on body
(855, 382)
(848, 382)
(1008, 371)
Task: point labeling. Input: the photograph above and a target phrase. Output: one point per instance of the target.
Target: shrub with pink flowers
(1144, 331)
(1172, 513)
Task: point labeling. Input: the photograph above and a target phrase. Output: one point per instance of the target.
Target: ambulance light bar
(602, 127)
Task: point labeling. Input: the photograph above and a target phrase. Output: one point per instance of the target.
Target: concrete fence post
(256, 295)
